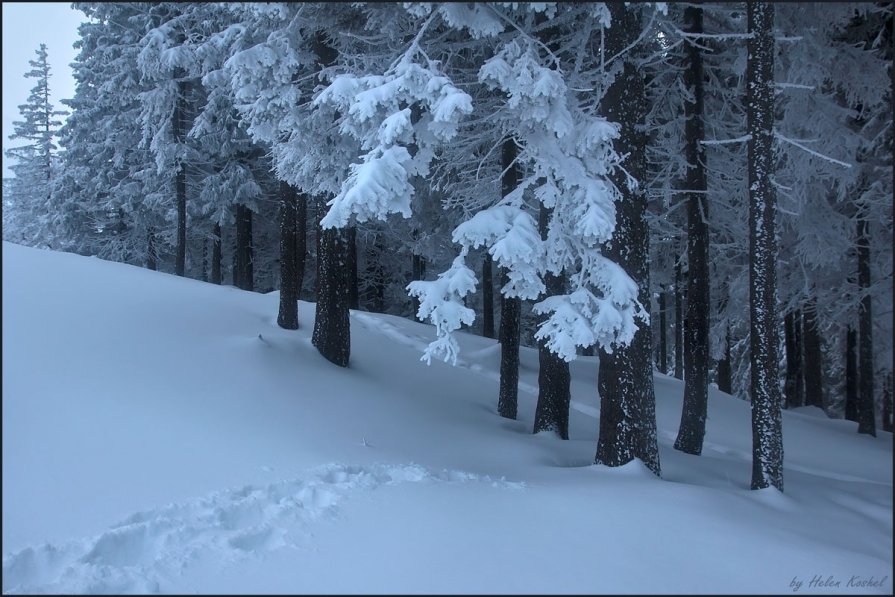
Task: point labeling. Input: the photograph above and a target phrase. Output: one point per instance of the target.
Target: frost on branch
(513, 241)
(377, 113)
(441, 301)
(582, 318)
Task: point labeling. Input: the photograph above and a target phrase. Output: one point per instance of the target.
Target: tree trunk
(244, 275)
(180, 183)
(663, 332)
(554, 393)
(151, 262)
(301, 240)
(216, 256)
(724, 369)
(866, 409)
(487, 297)
(625, 383)
(332, 333)
(510, 308)
(351, 240)
(375, 295)
(678, 321)
(792, 326)
(696, 362)
(887, 403)
(767, 439)
(813, 356)
(851, 374)
(417, 272)
(288, 315)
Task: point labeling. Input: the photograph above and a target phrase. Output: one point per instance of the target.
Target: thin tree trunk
(417, 272)
(375, 295)
(851, 374)
(244, 276)
(887, 403)
(554, 393)
(180, 185)
(332, 333)
(151, 262)
(767, 439)
(351, 240)
(288, 315)
(813, 356)
(724, 369)
(678, 321)
(625, 382)
(663, 332)
(510, 307)
(866, 409)
(205, 260)
(216, 256)
(696, 362)
(793, 388)
(301, 240)
(487, 297)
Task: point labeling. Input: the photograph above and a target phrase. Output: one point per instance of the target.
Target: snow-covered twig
(726, 141)
(811, 151)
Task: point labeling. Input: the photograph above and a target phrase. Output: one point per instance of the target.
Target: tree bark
(288, 315)
(216, 277)
(180, 183)
(678, 321)
(554, 392)
(866, 408)
(792, 326)
(244, 275)
(375, 295)
(625, 381)
(696, 362)
(351, 240)
(510, 308)
(725, 383)
(887, 403)
(851, 374)
(301, 240)
(417, 272)
(332, 334)
(151, 262)
(663, 332)
(767, 440)
(487, 297)
(813, 348)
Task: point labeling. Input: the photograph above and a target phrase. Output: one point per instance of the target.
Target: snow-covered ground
(164, 435)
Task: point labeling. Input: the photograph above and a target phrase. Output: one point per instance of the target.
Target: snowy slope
(164, 435)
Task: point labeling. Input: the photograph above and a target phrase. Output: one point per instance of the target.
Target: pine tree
(34, 166)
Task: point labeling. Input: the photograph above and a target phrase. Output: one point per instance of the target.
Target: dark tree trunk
(510, 308)
(216, 256)
(724, 369)
(487, 297)
(767, 439)
(887, 403)
(813, 356)
(792, 326)
(205, 260)
(351, 240)
(244, 276)
(179, 125)
(663, 332)
(151, 262)
(678, 321)
(288, 315)
(851, 374)
(866, 409)
(375, 295)
(332, 333)
(417, 272)
(627, 397)
(696, 362)
(301, 240)
(554, 393)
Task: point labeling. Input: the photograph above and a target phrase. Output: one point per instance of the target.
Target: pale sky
(25, 26)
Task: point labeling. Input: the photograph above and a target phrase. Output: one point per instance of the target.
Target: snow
(164, 435)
